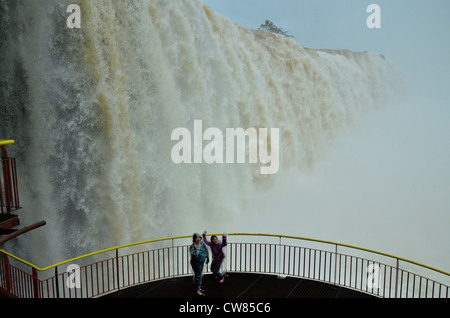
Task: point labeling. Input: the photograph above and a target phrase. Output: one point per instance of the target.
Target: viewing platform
(239, 286)
(258, 265)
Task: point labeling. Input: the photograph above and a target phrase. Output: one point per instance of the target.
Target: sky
(395, 164)
(413, 34)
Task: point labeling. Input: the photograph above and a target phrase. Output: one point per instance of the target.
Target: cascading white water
(92, 111)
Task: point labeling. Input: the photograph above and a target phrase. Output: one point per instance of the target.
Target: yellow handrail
(237, 234)
(90, 254)
(6, 142)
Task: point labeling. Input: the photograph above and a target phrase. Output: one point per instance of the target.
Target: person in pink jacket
(217, 254)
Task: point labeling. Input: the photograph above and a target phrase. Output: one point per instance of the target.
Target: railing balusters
(279, 259)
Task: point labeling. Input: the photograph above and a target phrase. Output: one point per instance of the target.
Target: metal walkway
(239, 285)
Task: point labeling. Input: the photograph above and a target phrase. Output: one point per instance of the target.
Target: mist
(383, 185)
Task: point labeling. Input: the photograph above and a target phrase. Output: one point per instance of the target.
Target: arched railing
(109, 270)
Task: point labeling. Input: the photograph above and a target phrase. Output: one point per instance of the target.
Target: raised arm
(207, 253)
(205, 239)
(224, 239)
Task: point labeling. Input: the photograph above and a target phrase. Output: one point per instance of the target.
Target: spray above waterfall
(92, 110)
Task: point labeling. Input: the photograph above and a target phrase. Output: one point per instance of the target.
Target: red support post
(6, 179)
(6, 169)
(35, 284)
(9, 191)
(7, 277)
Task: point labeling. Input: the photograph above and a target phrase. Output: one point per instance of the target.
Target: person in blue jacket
(199, 253)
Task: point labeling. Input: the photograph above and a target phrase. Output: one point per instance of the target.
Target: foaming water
(92, 111)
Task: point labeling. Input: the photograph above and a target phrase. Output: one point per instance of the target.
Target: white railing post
(117, 269)
(335, 264)
(279, 257)
(396, 277)
(173, 259)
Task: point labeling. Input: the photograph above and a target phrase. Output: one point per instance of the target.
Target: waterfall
(92, 111)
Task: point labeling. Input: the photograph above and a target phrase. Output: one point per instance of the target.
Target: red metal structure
(9, 197)
(9, 191)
